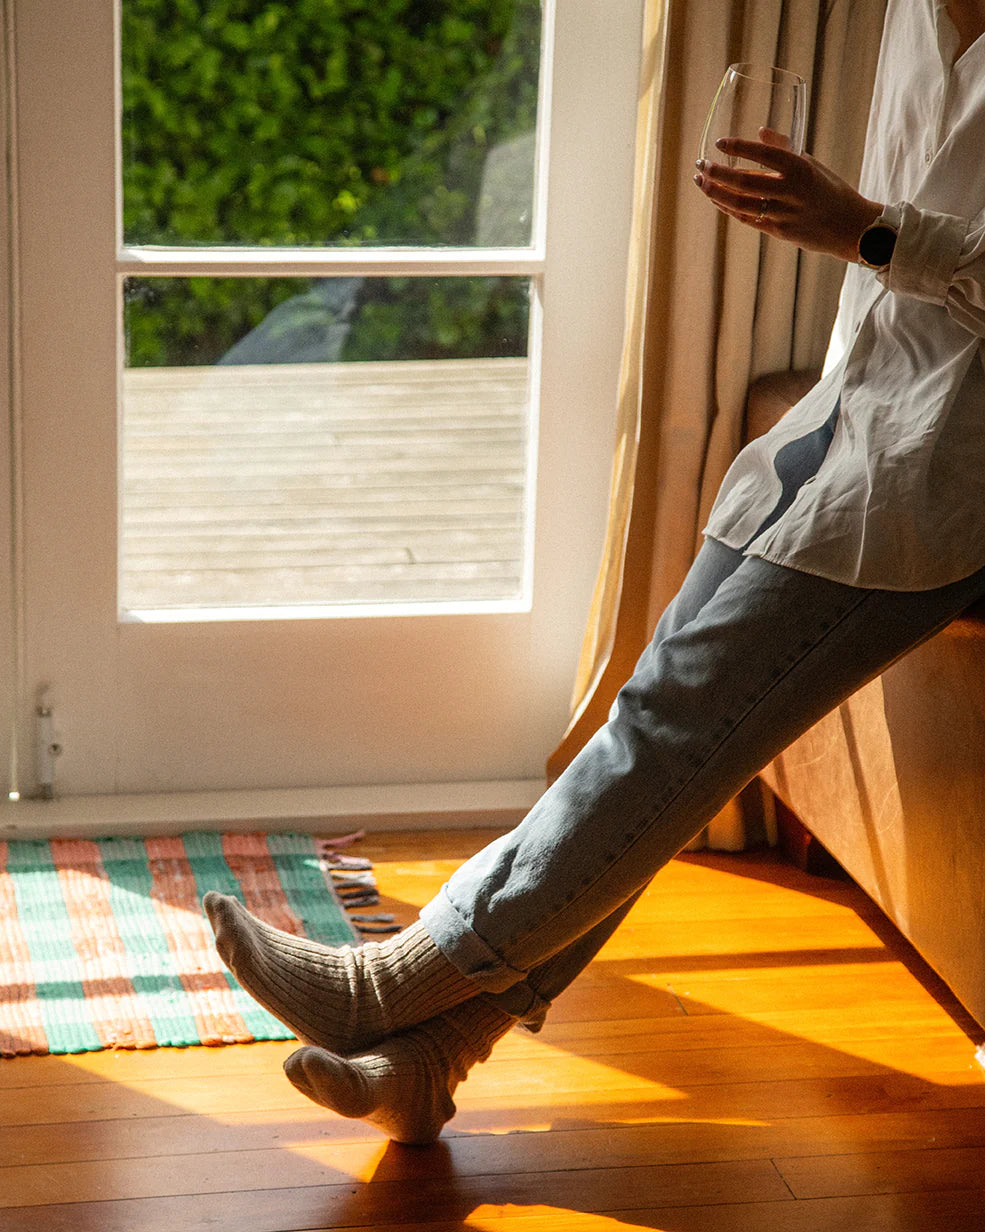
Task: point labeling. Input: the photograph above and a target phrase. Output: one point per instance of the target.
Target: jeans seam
(634, 838)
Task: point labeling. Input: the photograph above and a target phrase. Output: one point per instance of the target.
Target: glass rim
(767, 74)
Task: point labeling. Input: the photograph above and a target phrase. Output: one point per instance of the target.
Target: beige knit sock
(344, 999)
(404, 1086)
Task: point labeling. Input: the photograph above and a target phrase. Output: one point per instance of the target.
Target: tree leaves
(350, 122)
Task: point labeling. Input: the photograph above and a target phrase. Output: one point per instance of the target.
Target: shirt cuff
(927, 251)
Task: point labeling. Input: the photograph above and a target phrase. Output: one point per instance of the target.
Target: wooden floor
(754, 1050)
(324, 483)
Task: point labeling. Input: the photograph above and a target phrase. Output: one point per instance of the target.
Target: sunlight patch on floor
(553, 1219)
(358, 1160)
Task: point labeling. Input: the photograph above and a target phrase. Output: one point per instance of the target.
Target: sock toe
(216, 909)
(345, 998)
(329, 1080)
(226, 920)
(395, 1089)
(294, 1069)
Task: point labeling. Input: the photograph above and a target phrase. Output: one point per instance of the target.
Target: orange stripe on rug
(251, 863)
(189, 937)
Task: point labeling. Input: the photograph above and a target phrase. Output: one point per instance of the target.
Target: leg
(723, 688)
(709, 705)
(713, 698)
(345, 1000)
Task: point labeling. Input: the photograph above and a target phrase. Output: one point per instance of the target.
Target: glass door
(312, 487)
(347, 420)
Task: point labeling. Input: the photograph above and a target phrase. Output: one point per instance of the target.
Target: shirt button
(928, 157)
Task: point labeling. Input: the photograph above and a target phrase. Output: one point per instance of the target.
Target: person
(840, 540)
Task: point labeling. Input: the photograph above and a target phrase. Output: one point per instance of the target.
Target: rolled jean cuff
(523, 1002)
(460, 945)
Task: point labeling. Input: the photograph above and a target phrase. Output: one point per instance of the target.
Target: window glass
(347, 448)
(329, 122)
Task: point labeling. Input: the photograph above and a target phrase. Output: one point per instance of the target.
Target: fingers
(754, 196)
(754, 205)
(777, 157)
(771, 137)
(745, 195)
(752, 183)
(788, 196)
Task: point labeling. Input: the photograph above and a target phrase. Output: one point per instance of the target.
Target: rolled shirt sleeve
(939, 258)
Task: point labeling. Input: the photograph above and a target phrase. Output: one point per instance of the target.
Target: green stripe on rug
(153, 970)
(47, 931)
(299, 869)
(211, 872)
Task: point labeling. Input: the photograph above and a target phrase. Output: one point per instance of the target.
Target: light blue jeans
(746, 658)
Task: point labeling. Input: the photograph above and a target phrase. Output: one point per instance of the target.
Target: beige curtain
(710, 306)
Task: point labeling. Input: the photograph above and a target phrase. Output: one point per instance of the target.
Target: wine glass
(753, 97)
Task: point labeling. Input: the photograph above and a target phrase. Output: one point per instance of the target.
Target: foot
(405, 1085)
(343, 999)
(401, 1087)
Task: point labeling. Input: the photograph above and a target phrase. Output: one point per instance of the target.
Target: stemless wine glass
(753, 97)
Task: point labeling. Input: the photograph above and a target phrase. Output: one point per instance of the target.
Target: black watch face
(877, 245)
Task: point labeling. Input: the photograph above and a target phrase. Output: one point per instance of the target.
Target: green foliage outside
(343, 122)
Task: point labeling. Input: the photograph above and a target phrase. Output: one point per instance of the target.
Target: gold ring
(763, 207)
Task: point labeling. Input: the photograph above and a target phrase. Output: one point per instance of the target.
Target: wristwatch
(877, 243)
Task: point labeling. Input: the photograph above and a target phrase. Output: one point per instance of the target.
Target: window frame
(382, 261)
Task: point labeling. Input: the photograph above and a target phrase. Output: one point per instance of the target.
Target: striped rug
(104, 944)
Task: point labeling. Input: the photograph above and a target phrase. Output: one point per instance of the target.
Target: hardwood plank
(301, 557)
(157, 1064)
(303, 1211)
(956, 1213)
(426, 499)
(436, 517)
(230, 590)
(502, 488)
(574, 1086)
(152, 434)
(414, 1198)
(830, 1089)
(348, 1145)
(816, 939)
(792, 1142)
(300, 443)
(738, 991)
(897, 1171)
(242, 538)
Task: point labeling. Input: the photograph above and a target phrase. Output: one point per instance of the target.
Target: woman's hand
(795, 198)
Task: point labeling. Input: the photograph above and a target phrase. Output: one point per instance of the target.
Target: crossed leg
(748, 656)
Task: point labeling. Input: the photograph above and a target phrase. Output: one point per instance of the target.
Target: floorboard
(755, 1048)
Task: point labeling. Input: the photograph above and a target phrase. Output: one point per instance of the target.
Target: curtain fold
(710, 306)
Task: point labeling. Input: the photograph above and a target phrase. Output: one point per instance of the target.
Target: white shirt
(899, 500)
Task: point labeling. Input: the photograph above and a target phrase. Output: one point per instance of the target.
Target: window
(333, 431)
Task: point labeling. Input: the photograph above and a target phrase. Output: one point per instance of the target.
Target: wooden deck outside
(756, 1048)
(324, 483)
